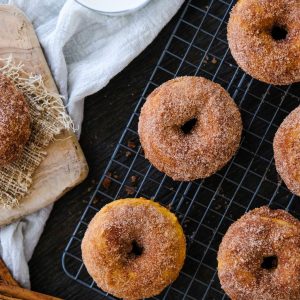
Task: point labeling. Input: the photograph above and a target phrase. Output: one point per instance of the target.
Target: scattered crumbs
(279, 179)
(106, 181)
(169, 206)
(84, 201)
(127, 153)
(89, 189)
(218, 206)
(214, 60)
(95, 200)
(129, 190)
(131, 144)
(186, 223)
(116, 176)
(134, 179)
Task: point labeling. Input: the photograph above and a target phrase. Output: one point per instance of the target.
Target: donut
(264, 39)
(189, 128)
(134, 248)
(286, 147)
(259, 257)
(14, 121)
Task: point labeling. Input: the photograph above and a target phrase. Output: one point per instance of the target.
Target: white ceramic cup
(114, 7)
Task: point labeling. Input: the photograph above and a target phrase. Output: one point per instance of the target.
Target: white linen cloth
(85, 50)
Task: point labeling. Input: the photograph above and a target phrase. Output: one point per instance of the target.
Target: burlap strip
(48, 119)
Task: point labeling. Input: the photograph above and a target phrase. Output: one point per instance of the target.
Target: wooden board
(65, 165)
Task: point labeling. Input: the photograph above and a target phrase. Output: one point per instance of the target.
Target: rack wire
(205, 208)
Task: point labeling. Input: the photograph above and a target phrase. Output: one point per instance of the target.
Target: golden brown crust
(107, 248)
(14, 121)
(253, 47)
(287, 151)
(213, 140)
(259, 234)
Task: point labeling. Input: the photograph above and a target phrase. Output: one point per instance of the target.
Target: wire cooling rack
(205, 208)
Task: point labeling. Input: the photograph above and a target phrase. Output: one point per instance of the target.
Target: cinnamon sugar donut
(264, 39)
(259, 257)
(14, 121)
(133, 248)
(189, 128)
(287, 151)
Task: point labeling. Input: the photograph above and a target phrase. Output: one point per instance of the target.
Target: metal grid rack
(205, 208)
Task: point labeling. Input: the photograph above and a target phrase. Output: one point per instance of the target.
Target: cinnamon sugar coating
(287, 151)
(256, 48)
(134, 248)
(208, 146)
(257, 236)
(14, 121)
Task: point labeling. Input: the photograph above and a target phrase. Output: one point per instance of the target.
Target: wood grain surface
(65, 165)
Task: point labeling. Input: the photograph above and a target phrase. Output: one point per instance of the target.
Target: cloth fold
(84, 50)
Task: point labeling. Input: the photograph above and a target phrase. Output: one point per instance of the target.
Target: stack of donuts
(190, 128)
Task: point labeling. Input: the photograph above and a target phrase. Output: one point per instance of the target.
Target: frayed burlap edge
(48, 119)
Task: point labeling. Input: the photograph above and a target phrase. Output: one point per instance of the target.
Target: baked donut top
(14, 121)
(189, 127)
(264, 38)
(259, 257)
(287, 151)
(134, 248)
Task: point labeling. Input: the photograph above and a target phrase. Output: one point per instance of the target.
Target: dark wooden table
(100, 133)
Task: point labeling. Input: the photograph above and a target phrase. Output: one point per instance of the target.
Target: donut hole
(279, 33)
(270, 262)
(188, 126)
(136, 249)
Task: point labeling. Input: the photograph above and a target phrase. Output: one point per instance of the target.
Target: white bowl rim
(113, 6)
